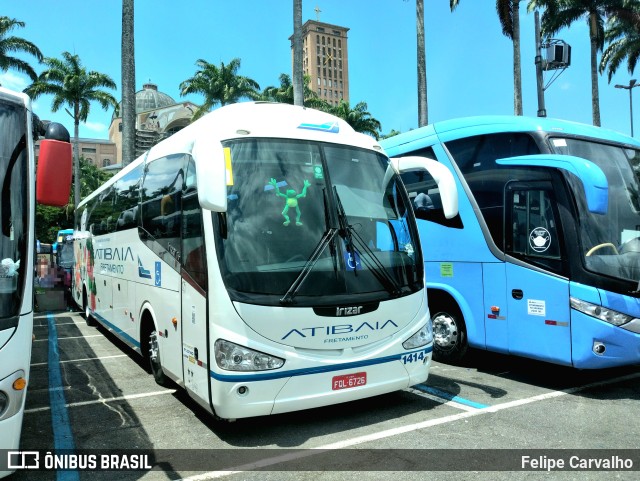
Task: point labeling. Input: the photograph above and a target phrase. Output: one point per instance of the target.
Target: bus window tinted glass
(476, 159)
(13, 179)
(161, 201)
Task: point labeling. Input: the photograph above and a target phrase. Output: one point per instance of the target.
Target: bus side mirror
(211, 174)
(596, 187)
(53, 178)
(440, 173)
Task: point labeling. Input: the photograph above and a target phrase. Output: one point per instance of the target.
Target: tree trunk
(517, 74)
(76, 162)
(128, 105)
(595, 96)
(423, 117)
(298, 82)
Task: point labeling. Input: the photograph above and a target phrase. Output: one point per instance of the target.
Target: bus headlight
(233, 357)
(604, 314)
(421, 338)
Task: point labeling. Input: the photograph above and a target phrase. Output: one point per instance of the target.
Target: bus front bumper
(301, 391)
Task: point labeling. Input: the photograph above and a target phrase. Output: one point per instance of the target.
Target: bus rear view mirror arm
(595, 183)
(440, 173)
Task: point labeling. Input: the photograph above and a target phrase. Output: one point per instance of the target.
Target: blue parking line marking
(62, 435)
(449, 397)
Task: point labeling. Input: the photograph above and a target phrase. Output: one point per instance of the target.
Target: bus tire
(87, 312)
(152, 354)
(449, 335)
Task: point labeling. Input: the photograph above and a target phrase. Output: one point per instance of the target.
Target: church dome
(149, 98)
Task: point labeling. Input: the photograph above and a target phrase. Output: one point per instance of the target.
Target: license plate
(347, 381)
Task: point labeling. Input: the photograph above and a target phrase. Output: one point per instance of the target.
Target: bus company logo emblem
(114, 254)
(331, 127)
(341, 329)
(142, 272)
(539, 239)
(348, 311)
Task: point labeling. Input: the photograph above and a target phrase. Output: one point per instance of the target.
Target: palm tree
(623, 36)
(16, 44)
(561, 14)
(509, 15)
(219, 85)
(284, 93)
(128, 84)
(298, 82)
(71, 84)
(423, 116)
(358, 117)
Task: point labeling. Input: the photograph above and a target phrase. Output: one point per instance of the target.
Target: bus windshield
(308, 220)
(611, 242)
(14, 208)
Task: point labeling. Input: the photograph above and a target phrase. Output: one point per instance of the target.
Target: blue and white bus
(265, 258)
(543, 260)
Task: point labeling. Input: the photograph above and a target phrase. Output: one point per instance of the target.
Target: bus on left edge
(19, 130)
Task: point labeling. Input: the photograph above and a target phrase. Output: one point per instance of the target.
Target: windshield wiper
(345, 229)
(327, 238)
(348, 233)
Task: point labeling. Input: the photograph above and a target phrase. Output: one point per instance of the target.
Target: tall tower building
(325, 60)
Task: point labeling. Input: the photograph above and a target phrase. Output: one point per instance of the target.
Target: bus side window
(533, 230)
(476, 158)
(161, 203)
(127, 196)
(194, 259)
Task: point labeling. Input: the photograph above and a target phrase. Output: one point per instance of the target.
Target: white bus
(18, 131)
(265, 258)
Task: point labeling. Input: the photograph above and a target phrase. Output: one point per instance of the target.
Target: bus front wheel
(153, 354)
(449, 336)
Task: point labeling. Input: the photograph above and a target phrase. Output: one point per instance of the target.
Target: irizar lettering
(339, 329)
(348, 311)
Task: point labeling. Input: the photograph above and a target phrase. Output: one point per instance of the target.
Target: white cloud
(12, 81)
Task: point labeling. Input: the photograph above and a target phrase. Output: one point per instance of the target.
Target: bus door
(195, 332)
(538, 319)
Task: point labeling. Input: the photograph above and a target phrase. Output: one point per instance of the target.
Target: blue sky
(469, 61)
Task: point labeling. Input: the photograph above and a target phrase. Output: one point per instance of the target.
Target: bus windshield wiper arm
(327, 239)
(345, 228)
(348, 233)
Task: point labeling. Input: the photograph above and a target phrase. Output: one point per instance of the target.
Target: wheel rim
(445, 331)
(154, 352)
(86, 306)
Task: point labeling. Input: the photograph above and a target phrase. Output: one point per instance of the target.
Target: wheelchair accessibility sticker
(352, 261)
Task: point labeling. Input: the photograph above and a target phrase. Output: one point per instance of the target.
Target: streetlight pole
(632, 84)
(542, 111)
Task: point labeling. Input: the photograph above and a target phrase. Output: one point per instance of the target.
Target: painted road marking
(104, 400)
(62, 435)
(439, 400)
(37, 364)
(74, 337)
(347, 443)
(438, 393)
